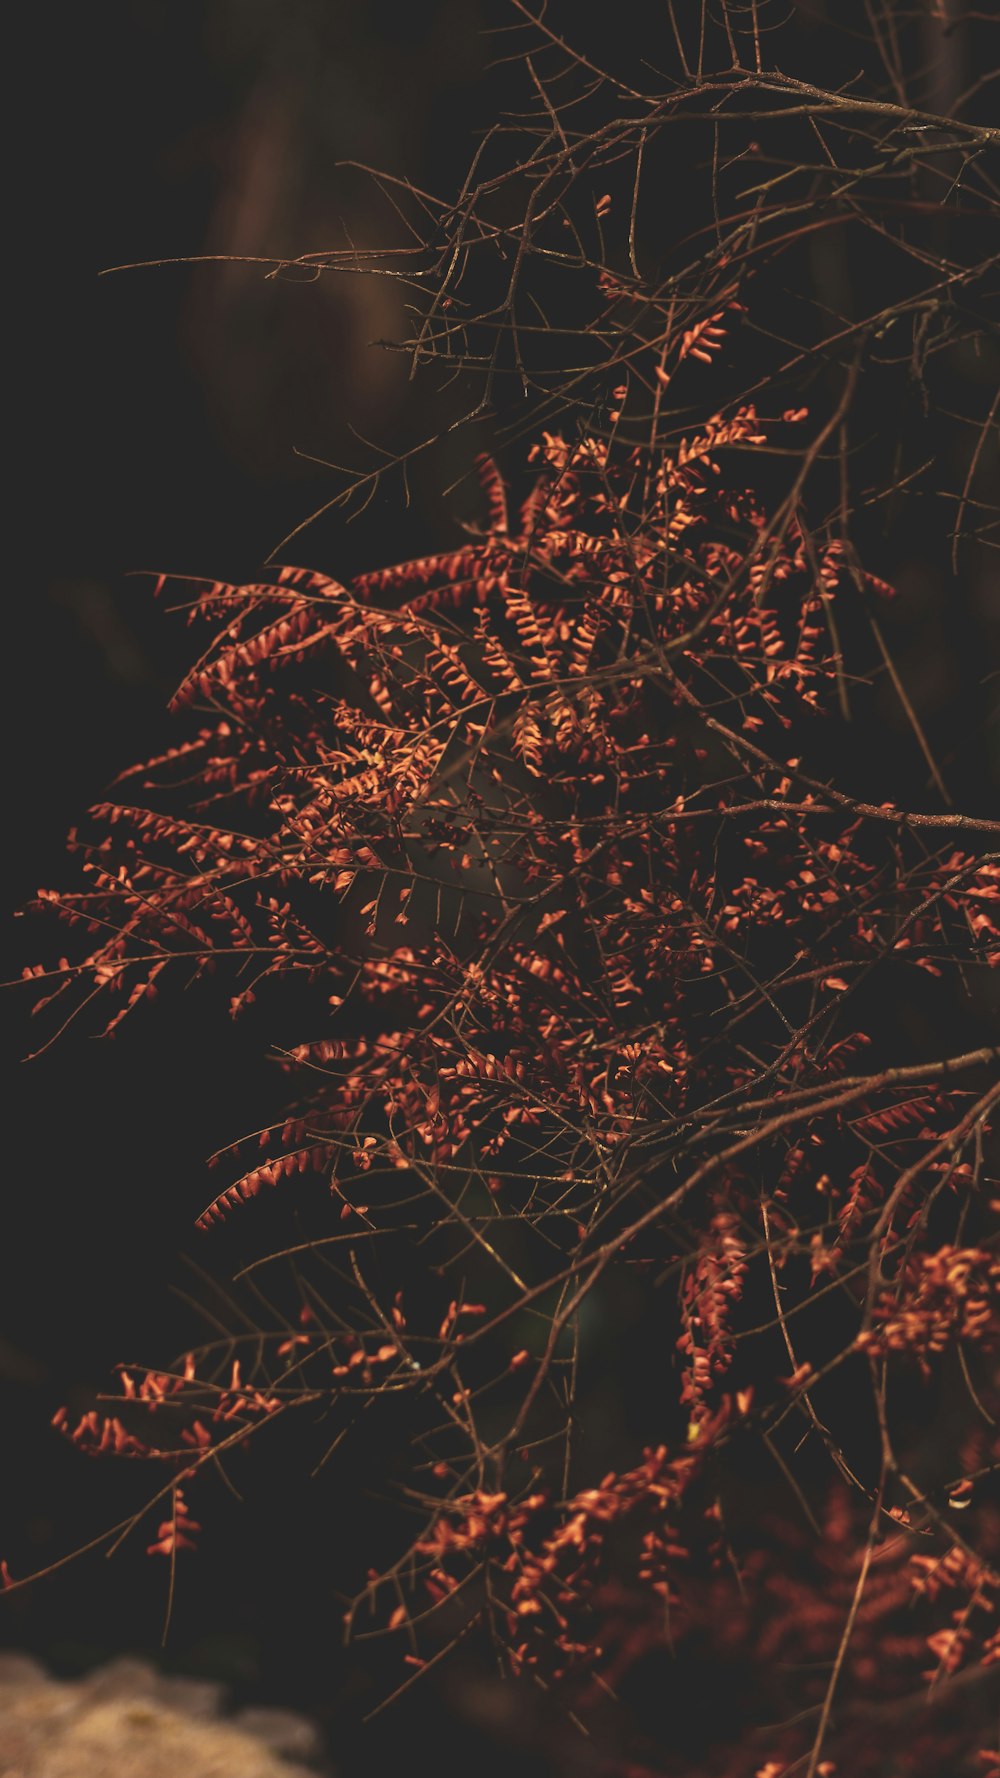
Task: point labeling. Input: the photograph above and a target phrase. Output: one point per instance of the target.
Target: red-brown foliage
(591, 960)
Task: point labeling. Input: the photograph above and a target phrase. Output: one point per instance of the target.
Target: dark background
(154, 425)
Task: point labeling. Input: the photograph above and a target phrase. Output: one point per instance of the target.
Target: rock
(126, 1720)
(291, 1736)
(128, 1677)
(18, 1671)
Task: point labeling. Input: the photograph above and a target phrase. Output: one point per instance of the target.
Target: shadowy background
(156, 416)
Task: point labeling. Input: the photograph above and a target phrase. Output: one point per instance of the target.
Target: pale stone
(128, 1721)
